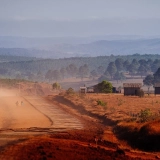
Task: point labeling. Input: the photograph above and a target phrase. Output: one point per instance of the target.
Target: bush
(145, 115)
(104, 87)
(140, 93)
(101, 103)
(56, 86)
(70, 91)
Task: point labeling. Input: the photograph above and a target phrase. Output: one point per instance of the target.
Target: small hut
(90, 89)
(131, 88)
(83, 89)
(157, 88)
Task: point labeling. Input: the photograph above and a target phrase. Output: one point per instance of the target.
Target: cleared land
(76, 127)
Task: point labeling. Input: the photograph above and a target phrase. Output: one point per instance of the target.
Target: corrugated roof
(133, 85)
(157, 85)
(83, 87)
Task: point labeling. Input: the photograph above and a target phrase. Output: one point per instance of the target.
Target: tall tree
(143, 69)
(56, 75)
(112, 69)
(105, 87)
(148, 81)
(48, 75)
(72, 69)
(100, 70)
(93, 74)
(107, 74)
(155, 65)
(142, 62)
(63, 72)
(132, 69)
(83, 71)
(157, 76)
(119, 76)
(119, 64)
(126, 65)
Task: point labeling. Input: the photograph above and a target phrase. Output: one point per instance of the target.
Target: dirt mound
(50, 147)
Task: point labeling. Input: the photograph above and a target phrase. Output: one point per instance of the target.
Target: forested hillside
(104, 67)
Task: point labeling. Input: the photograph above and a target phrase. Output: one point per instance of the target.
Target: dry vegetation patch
(132, 119)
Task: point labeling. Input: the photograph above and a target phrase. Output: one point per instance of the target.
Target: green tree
(132, 69)
(72, 69)
(105, 87)
(56, 75)
(93, 74)
(135, 62)
(70, 91)
(63, 72)
(83, 71)
(56, 86)
(100, 70)
(157, 76)
(149, 62)
(148, 81)
(119, 76)
(49, 75)
(143, 69)
(126, 65)
(106, 74)
(119, 64)
(142, 62)
(112, 69)
(155, 65)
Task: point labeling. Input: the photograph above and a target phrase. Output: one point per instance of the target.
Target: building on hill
(83, 90)
(90, 89)
(131, 88)
(157, 88)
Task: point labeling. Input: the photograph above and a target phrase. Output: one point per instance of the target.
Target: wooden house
(83, 89)
(131, 88)
(157, 88)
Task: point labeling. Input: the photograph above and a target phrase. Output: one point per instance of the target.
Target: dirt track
(39, 129)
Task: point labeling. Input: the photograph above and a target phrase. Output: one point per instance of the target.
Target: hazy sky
(52, 18)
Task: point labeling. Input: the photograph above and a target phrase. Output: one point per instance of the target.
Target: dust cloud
(16, 112)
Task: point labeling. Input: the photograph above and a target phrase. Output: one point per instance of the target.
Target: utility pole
(35, 88)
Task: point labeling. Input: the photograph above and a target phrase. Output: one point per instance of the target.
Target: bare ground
(82, 134)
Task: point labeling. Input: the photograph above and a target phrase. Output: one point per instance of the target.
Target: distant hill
(77, 47)
(122, 47)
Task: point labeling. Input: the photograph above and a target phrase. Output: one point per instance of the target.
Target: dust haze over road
(32, 111)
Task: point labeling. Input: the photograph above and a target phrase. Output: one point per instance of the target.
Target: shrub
(104, 87)
(56, 86)
(145, 115)
(140, 93)
(101, 103)
(70, 91)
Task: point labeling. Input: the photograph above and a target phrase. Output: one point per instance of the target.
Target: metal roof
(157, 85)
(132, 85)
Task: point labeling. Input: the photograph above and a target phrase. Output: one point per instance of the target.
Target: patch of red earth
(49, 148)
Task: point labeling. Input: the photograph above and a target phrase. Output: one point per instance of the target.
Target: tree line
(105, 67)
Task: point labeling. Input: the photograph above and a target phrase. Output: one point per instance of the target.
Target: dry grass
(123, 108)
(124, 114)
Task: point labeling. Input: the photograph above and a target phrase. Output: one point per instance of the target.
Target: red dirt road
(42, 130)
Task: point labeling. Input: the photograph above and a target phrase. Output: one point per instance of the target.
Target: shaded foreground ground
(91, 140)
